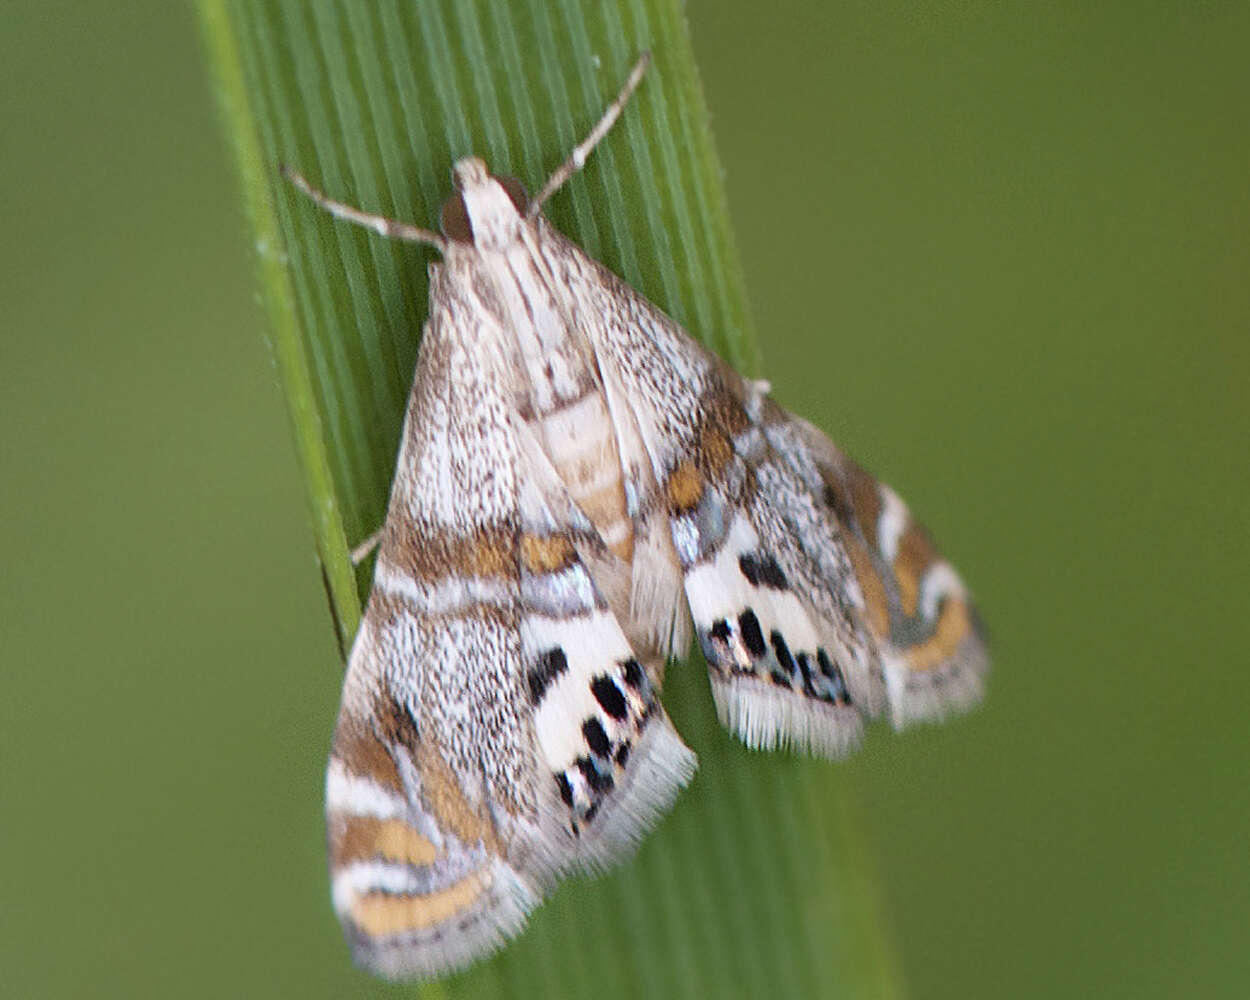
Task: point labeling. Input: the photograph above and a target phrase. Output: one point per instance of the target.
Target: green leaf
(757, 884)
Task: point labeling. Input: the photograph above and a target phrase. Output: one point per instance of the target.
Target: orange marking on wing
(546, 555)
(876, 604)
(361, 838)
(491, 559)
(915, 555)
(380, 914)
(684, 487)
(443, 796)
(953, 625)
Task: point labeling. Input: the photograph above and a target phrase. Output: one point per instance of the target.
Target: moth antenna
(379, 223)
(578, 158)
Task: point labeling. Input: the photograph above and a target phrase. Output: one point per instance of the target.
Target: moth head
(486, 211)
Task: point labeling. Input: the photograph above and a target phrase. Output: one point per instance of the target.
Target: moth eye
(516, 192)
(454, 220)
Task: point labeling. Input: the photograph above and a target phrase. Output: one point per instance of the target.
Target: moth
(580, 489)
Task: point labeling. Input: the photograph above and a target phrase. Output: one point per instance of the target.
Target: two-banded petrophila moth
(579, 486)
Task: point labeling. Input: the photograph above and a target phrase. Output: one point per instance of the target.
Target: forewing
(433, 785)
(496, 728)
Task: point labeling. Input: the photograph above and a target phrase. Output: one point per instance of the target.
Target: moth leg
(362, 551)
(378, 223)
(577, 160)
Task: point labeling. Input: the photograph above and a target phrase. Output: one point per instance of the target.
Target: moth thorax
(486, 211)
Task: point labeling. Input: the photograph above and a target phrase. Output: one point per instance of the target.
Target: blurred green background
(999, 251)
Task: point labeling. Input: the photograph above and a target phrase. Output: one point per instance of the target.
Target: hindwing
(930, 643)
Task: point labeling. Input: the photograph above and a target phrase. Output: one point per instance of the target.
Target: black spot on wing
(597, 780)
(837, 683)
(782, 652)
(752, 636)
(762, 571)
(566, 790)
(596, 737)
(805, 668)
(550, 665)
(634, 675)
(609, 696)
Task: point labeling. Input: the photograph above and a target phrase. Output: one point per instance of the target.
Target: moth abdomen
(579, 439)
